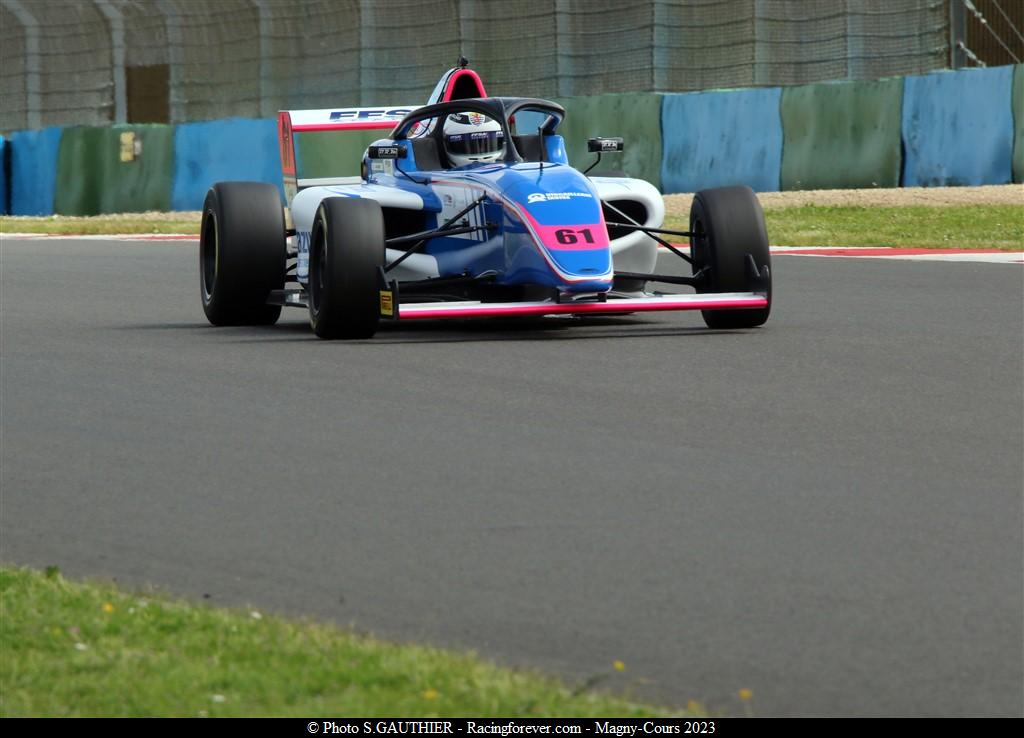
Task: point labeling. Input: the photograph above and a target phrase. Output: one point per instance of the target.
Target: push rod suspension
(650, 232)
(431, 234)
(695, 281)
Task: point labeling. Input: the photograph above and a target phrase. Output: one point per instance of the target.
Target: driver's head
(471, 138)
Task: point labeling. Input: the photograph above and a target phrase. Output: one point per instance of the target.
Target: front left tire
(242, 253)
(346, 250)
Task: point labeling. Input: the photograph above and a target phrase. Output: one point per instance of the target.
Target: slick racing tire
(242, 253)
(345, 251)
(730, 241)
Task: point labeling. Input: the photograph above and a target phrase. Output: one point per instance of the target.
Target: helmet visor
(475, 143)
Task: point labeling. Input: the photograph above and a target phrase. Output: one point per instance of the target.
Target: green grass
(949, 227)
(73, 649)
(913, 226)
(102, 224)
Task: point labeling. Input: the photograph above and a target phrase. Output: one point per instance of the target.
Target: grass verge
(906, 226)
(98, 225)
(74, 649)
(914, 226)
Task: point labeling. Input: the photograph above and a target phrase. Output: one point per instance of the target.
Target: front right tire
(731, 240)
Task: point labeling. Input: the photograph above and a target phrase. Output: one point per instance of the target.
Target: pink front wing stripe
(862, 251)
(722, 301)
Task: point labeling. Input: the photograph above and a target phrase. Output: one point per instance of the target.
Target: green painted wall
(333, 153)
(634, 117)
(841, 135)
(92, 179)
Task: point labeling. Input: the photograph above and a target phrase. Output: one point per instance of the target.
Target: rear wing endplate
(341, 120)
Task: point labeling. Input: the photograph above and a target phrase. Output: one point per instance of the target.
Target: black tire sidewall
(243, 231)
(346, 250)
(732, 223)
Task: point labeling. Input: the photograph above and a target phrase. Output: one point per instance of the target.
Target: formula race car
(468, 209)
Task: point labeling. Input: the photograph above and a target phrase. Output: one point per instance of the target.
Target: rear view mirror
(604, 145)
(396, 151)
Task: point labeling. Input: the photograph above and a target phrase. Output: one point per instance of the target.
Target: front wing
(540, 308)
(611, 306)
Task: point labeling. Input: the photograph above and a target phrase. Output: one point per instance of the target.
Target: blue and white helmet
(471, 138)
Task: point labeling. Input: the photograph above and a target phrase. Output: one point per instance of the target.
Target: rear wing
(458, 83)
(340, 120)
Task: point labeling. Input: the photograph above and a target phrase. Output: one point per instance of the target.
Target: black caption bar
(504, 727)
(617, 727)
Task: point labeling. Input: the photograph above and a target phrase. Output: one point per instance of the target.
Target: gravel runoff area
(679, 205)
(1013, 194)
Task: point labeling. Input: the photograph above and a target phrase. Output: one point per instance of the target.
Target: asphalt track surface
(826, 511)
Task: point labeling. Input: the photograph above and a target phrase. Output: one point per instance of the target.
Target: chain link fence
(66, 62)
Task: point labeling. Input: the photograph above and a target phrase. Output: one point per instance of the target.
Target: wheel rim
(210, 260)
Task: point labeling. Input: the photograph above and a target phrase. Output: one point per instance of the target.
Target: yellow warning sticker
(128, 146)
(387, 304)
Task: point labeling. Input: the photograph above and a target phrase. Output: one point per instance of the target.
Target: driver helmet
(471, 138)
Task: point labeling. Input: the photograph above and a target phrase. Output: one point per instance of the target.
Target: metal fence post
(368, 52)
(562, 42)
(760, 76)
(850, 39)
(33, 99)
(115, 21)
(957, 34)
(266, 26)
(175, 60)
(467, 14)
(659, 48)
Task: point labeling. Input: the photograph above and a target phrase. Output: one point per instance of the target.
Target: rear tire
(730, 224)
(346, 249)
(242, 253)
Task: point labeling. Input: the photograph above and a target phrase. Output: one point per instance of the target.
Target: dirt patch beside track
(679, 205)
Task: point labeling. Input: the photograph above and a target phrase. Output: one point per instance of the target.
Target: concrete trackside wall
(1017, 104)
(236, 149)
(958, 128)
(841, 135)
(33, 170)
(92, 178)
(635, 117)
(947, 128)
(716, 139)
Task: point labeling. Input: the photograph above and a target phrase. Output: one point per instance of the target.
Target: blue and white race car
(469, 209)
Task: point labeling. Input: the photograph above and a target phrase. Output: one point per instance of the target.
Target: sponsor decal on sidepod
(550, 196)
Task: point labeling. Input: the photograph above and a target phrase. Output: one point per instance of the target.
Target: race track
(826, 511)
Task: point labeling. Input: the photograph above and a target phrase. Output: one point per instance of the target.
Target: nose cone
(581, 266)
(553, 194)
(563, 213)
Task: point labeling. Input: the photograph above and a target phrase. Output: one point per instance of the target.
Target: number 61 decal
(570, 236)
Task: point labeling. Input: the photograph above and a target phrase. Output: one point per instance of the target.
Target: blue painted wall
(714, 139)
(5, 207)
(34, 170)
(958, 128)
(219, 151)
